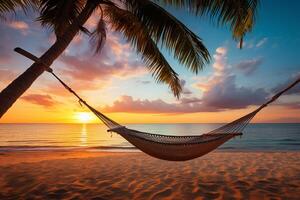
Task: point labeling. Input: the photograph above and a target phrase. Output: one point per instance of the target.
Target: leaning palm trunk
(16, 88)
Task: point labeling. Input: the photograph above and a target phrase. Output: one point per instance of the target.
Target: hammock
(167, 147)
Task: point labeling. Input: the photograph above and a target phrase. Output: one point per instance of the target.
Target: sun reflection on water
(83, 136)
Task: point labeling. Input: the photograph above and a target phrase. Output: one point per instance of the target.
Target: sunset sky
(117, 83)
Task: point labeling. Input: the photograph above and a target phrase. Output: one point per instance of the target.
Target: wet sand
(108, 175)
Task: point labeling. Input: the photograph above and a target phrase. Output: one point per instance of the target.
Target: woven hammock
(167, 147)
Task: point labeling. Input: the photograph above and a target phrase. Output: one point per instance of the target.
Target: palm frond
(240, 15)
(164, 28)
(137, 34)
(7, 6)
(58, 15)
(98, 36)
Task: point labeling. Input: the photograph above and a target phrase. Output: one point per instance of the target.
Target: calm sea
(22, 137)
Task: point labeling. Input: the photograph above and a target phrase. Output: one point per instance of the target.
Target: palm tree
(144, 23)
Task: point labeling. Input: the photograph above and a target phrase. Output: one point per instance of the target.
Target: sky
(117, 83)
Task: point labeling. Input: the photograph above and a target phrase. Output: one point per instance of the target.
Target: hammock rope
(170, 147)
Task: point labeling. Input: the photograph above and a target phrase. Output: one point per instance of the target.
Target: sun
(84, 117)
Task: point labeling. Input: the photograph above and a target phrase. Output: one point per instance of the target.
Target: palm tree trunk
(16, 88)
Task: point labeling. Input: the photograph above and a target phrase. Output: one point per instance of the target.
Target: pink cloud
(292, 105)
(214, 101)
(88, 71)
(118, 48)
(113, 61)
(19, 25)
(77, 39)
(221, 50)
(39, 99)
(227, 95)
(92, 68)
(220, 93)
(77, 85)
(7, 75)
(92, 21)
(220, 90)
(128, 104)
(114, 48)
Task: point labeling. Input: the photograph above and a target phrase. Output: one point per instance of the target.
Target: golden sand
(107, 175)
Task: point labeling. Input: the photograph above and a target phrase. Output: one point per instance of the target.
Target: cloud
(227, 95)
(246, 44)
(185, 105)
(92, 68)
(220, 90)
(19, 25)
(92, 22)
(248, 67)
(187, 100)
(261, 42)
(114, 61)
(220, 59)
(291, 105)
(7, 41)
(39, 99)
(87, 71)
(143, 82)
(77, 40)
(222, 51)
(78, 86)
(294, 90)
(6, 75)
(252, 43)
(128, 104)
(220, 93)
(185, 90)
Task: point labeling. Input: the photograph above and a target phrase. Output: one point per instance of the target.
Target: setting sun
(84, 117)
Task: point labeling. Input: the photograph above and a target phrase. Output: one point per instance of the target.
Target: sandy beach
(128, 175)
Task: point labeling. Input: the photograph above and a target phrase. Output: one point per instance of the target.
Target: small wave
(290, 143)
(64, 148)
(223, 148)
(22, 141)
(35, 148)
(289, 140)
(112, 147)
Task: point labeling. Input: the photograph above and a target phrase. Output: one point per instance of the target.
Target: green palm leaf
(164, 28)
(238, 14)
(137, 34)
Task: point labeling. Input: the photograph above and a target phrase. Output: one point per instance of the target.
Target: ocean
(38, 137)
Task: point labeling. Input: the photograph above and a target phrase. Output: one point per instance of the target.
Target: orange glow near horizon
(71, 114)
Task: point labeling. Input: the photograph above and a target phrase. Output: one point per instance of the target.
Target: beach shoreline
(135, 175)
